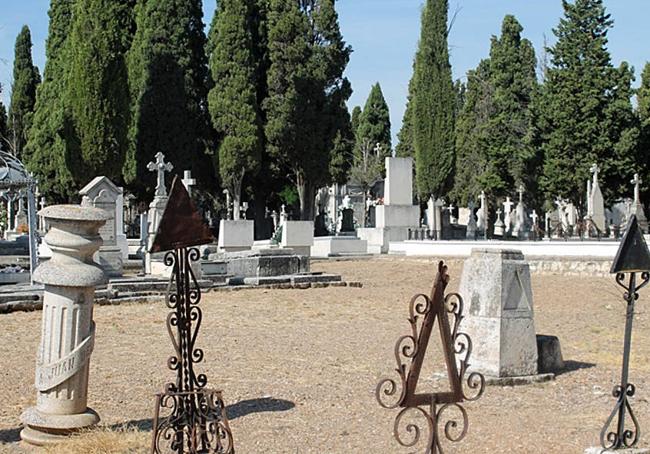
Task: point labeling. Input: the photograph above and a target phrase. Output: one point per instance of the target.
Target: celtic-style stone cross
(161, 167)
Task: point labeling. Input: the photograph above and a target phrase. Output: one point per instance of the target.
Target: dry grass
(298, 367)
(121, 440)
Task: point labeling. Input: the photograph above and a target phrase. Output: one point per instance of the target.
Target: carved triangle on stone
(181, 224)
(633, 255)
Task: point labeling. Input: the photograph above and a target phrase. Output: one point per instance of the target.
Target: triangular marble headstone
(181, 224)
(633, 255)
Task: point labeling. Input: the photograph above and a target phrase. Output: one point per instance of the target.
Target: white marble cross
(161, 167)
(499, 214)
(521, 193)
(534, 216)
(637, 184)
(378, 148)
(228, 208)
(188, 181)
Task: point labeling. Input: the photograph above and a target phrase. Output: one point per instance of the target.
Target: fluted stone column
(68, 330)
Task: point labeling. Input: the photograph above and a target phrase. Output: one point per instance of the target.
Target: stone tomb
(495, 285)
(236, 236)
(102, 193)
(299, 236)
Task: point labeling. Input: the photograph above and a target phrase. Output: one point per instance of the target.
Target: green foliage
(23, 93)
(374, 122)
(494, 128)
(434, 101)
(584, 113)
(305, 106)
(168, 81)
(474, 171)
(233, 103)
(97, 91)
(356, 117)
(46, 152)
(643, 111)
(289, 195)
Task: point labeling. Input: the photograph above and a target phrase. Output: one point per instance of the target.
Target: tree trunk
(306, 196)
(365, 207)
(261, 232)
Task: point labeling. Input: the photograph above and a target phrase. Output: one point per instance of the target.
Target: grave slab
(236, 235)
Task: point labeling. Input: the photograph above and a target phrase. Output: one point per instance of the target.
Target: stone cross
(452, 218)
(161, 167)
(521, 193)
(188, 181)
(378, 148)
(637, 183)
(41, 219)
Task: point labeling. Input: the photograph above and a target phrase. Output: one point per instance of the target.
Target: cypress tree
(168, 81)
(97, 91)
(513, 81)
(643, 111)
(584, 113)
(474, 170)
(23, 94)
(306, 108)
(434, 101)
(355, 118)
(374, 122)
(234, 107)
(46, 151)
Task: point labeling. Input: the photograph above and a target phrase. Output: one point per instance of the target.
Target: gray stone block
(549, 354)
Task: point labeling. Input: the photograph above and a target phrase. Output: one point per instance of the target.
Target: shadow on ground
(573, 366)
(10, 435)
(234, 411)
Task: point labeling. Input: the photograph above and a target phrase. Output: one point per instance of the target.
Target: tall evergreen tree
(168, 81)
(474, 169)
(643, 111)
(355, 118)
(23, 93)
(236, 113)
(585, 113)
(374, 122)
(513, 80)
(306, 108)
(46, 153)
(97, 92)
(434, 102)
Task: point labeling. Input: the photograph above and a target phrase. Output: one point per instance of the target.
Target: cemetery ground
(299, 367)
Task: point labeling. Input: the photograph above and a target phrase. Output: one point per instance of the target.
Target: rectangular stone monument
(103, 193)
(299, 236)
(397, 215)
(236, 236)
(495, 285)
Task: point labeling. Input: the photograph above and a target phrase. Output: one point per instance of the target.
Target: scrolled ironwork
(189, 417)
(409, 353)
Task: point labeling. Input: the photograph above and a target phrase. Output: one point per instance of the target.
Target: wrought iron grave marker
(189, 418)
(410, 351)
(632, 257)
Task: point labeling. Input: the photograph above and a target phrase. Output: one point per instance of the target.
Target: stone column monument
(68, 332)
(157, 206)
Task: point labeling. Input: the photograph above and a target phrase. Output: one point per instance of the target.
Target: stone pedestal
(495, 287)
(156, 210)
(68, 332)
(299, 236)
(235, 236)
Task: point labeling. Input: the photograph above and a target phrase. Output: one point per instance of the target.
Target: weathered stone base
(264, 263)
(45, 429)
(111, 260)
(600, 450)
(521, 380)
(332, 246)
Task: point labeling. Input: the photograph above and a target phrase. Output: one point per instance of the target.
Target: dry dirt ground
(299, 367)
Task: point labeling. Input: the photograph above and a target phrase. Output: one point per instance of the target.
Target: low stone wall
(579, 266)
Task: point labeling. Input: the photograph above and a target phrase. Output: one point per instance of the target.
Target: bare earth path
(299, 367)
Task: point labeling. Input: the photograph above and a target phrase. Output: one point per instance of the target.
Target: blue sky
(384, 35)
